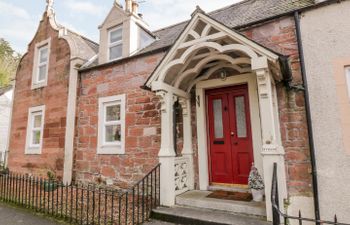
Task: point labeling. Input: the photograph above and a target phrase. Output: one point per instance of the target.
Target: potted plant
(51, 183)
(256, 184)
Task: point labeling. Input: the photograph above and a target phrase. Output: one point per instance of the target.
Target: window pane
(218, 126)
(43, 54)
(115, 35)
(115, 52)
(36, 137)
(113, 133)
(241, 120)
(113, 113)
(42, 73)
(145, 38)
(37, 121)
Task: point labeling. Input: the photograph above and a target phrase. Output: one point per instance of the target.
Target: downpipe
(309, 121)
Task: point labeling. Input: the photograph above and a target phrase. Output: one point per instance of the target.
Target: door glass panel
(218, 126)
(241, 119)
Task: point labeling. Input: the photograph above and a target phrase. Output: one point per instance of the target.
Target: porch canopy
(205, 47)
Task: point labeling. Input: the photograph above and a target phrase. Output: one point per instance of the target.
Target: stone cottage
(206, 98)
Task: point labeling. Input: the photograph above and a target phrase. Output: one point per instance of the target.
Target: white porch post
(167, 151)
(272, 150)
(187, 150)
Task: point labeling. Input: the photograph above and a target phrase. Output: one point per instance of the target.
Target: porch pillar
(167, 151)
(187, 150)
(272, 150)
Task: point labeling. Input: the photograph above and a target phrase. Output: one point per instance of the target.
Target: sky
(19, 19)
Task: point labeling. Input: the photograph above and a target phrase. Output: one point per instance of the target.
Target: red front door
(230, 141)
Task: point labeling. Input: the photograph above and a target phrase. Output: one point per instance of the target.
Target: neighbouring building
(327, 61)
(6, 96)
(206, 98)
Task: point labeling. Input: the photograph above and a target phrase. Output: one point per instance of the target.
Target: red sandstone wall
(142, 123)
(53, 96)
(143, 112)
(280, 36)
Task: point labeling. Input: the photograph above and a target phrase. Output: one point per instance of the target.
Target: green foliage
(9, 60)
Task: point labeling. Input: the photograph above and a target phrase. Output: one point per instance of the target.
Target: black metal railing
(81, 204)
(278, 215)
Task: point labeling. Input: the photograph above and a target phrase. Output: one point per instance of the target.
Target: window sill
(33, 151)
(110, 150)
(39, 85)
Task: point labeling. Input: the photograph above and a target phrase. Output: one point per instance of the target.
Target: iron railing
(278, 215)
(81, 204)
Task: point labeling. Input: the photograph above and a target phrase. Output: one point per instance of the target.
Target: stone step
(198, 199)
(227, 188)
(195, 216)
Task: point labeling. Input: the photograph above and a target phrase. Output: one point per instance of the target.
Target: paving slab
(10, 215)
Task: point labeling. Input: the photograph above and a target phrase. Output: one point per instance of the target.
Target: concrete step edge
(163, 215)
(235, 209)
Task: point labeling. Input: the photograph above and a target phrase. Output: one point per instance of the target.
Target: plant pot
(49, 186)
(258, 195)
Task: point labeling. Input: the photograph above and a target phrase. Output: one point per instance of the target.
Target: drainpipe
(308, 115)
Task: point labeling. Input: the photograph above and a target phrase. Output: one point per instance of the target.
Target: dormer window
(115, 43)
(41, 64)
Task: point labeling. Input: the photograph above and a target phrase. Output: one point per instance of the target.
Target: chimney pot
(128, 5)
(135, 7)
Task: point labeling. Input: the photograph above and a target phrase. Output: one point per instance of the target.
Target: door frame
(201, 111)
(237, 90)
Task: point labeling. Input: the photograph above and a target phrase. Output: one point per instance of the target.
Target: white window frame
(347, 78)
(35, 76)
(116, 148)
(30, 148)
(111, 45)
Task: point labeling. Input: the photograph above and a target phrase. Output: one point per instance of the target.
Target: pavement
(16, 216)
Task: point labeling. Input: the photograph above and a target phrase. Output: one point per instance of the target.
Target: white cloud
(12, 10)
(83, 7)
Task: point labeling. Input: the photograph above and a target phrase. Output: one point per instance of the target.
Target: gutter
(308, 115)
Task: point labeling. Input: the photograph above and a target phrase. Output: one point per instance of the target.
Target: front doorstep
(227, 188)
(198, 199)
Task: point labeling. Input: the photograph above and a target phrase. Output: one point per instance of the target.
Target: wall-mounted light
(223, 75)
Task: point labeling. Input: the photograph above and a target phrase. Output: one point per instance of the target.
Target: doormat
(228, 195)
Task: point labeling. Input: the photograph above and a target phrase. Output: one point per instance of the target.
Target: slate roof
(86, 47)
(235, 15)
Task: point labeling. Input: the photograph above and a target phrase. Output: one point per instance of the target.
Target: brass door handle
(232, 133)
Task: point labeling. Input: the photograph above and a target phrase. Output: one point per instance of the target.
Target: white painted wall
(5, 117)
(326, 41)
